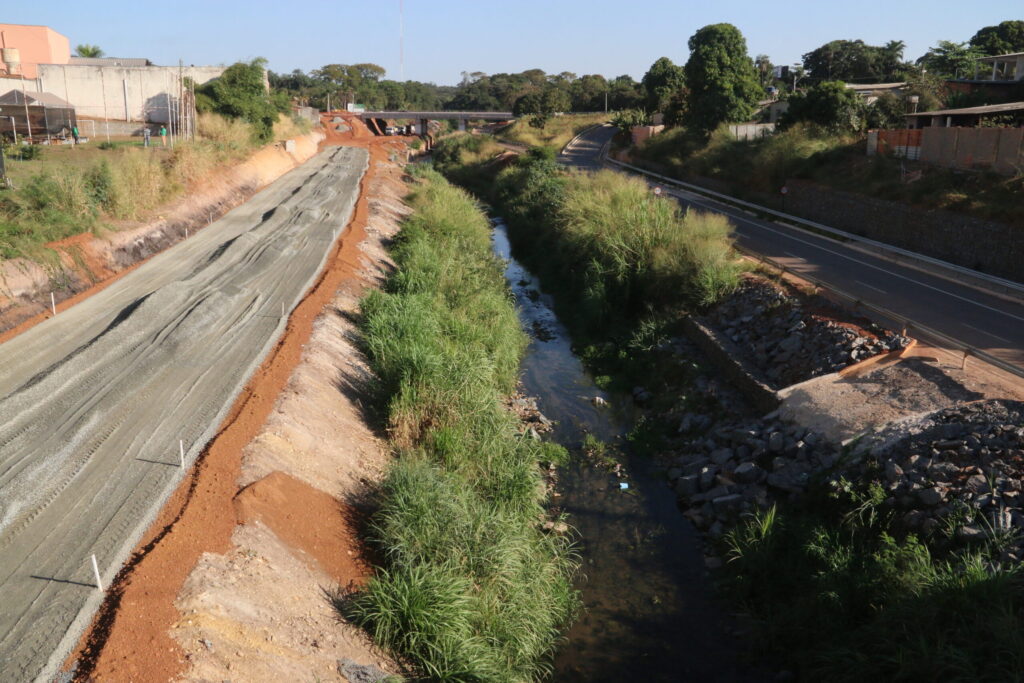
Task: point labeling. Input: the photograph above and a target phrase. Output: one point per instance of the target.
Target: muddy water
(648, 610)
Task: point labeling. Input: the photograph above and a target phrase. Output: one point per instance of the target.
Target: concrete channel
(95, 401)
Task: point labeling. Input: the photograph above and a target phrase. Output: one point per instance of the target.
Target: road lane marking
(978, 329)
(863, 263)
(877, 289)
(792, 255)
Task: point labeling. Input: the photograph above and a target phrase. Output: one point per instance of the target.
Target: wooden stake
(96, 571)
(181, 453)
(53, 304)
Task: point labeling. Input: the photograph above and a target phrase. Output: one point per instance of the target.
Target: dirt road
(96, 400)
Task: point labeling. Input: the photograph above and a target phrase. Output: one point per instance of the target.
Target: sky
(446, 37)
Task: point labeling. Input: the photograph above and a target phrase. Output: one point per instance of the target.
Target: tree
(954, 60)
(720, 77)
(660, 83)
(829, 104)
(588, 93)
(241, 93)
(624, 93)
(87, 50)
(853, 60)
(765, 70)
(888, 111)
(1001, 39)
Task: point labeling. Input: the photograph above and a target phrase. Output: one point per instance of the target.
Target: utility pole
(401, 40)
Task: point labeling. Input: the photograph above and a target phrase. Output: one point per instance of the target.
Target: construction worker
(163, 134)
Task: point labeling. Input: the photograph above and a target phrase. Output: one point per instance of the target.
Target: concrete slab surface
(93, 402)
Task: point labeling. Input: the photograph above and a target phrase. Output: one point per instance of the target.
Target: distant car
(391, 130)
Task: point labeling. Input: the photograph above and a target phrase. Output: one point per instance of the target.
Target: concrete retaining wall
(730, 361)
(123, 93)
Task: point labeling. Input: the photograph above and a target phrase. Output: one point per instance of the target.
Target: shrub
(471, 589)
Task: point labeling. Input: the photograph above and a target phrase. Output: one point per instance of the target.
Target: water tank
(11, 58)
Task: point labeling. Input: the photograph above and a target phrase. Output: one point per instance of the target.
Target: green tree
(765, 70)
(954, 60)
(663, 80)
(241, 92)
(1004, 38)
(720, 77)
(855, 61)
(86, 50)
(829, 104)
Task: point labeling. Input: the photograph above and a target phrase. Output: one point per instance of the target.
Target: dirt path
(197, 544)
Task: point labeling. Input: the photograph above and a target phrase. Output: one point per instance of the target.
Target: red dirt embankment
(207, 527)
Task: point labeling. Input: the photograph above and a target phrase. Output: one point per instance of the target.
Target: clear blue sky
(445, 37)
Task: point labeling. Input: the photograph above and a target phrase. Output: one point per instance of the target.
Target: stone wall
(993, 248)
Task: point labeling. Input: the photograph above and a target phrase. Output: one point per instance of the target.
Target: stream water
(648, 610)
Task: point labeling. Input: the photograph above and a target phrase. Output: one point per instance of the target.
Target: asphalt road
(95, 401)
(975, 318)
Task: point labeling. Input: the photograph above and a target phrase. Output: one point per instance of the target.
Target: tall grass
(839, 593)
(556, 133)
(126, 183)
(611, 246)
(471, 588)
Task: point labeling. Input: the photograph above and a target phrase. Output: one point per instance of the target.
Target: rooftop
(968, 111)
(1001, 58)
(46, 99)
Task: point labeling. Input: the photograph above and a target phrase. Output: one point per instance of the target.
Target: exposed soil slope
(196, 550)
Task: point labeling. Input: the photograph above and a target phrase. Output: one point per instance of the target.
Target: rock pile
(738, 466)
(959, 469)
(786, 342)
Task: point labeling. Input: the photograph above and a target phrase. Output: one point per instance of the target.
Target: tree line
(719, 82)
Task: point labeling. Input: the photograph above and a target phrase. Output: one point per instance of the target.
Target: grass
(557, 132)
(836, 590)
(611, 246)
(471, 588)
(74, 189)
(839, 594)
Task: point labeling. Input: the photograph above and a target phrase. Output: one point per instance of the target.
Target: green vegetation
(720, 76)
(829, 104)
(65, 190)
(853, 60)
(756, 169)
(471, 589)
(556, 132)
(839, 592)
(663, 85)
(240, 93)
(1004, 38)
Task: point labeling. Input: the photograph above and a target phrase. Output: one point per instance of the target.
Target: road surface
(975, 318)
(95, 401)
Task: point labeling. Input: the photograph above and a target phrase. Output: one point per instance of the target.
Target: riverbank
(471, 583)
(805, 528)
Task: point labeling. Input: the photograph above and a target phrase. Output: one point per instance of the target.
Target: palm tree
(88, 51)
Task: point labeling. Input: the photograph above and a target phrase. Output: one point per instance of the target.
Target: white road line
(877, 289)
(864, 263)
(792, 255)
(978, 329)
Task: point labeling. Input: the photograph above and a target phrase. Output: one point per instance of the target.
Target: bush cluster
(471, 587)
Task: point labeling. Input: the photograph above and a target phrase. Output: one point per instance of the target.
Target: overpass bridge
(423, 116)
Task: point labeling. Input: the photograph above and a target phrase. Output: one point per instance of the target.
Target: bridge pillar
(462, 125)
